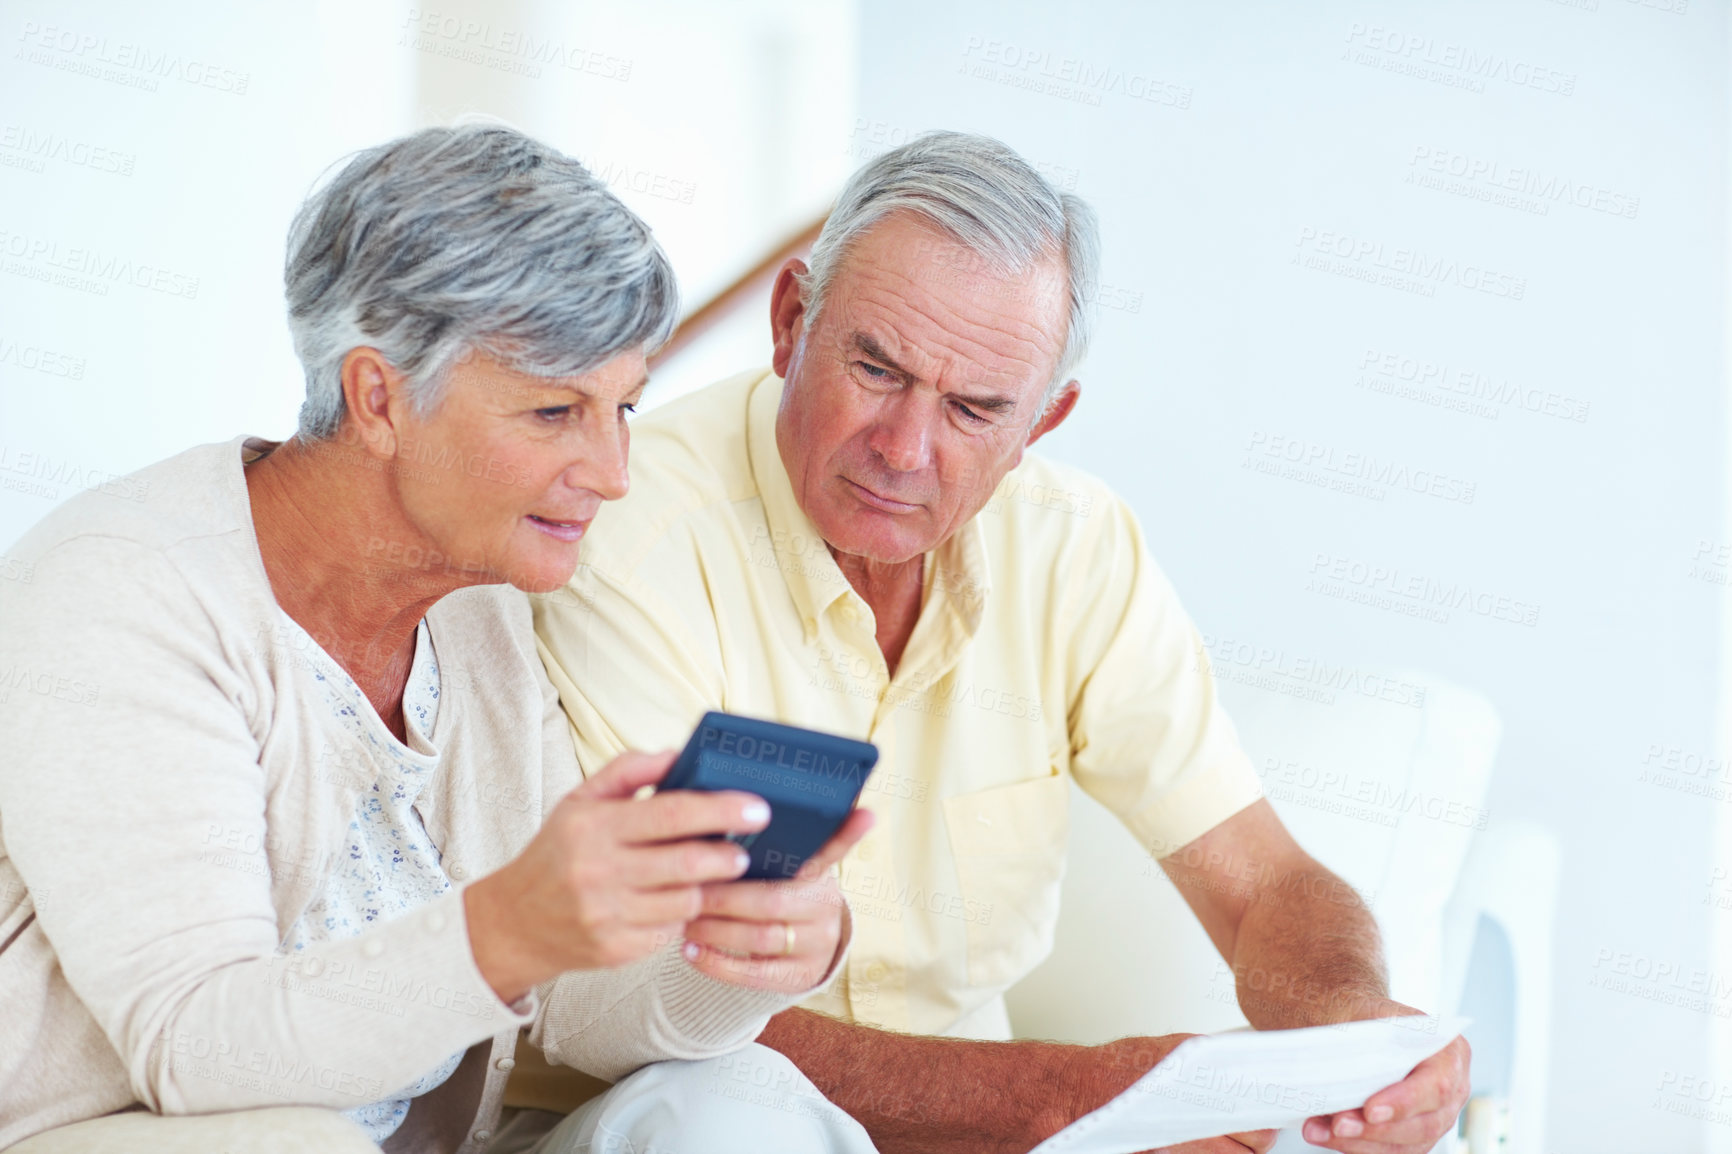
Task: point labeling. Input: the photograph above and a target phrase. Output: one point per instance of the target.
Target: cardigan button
(457, 873)
(483, 1135)
(505, 1064)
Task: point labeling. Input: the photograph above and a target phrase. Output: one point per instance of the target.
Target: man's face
(917, 388)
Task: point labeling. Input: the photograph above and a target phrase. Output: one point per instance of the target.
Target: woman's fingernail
(742, 860)
(691, 950)
(755, 811)
(1379, 1113)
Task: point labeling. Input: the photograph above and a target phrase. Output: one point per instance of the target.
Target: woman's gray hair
(469, 239)
(991, 201)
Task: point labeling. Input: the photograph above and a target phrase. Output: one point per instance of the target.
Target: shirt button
(875, 972)
(457, 873)
(505, 1064)
(372, 947)
(869, 851)
(483, 1135)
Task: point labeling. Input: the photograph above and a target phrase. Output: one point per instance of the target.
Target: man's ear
(1056, 412)
(372, 387)
(787, 314)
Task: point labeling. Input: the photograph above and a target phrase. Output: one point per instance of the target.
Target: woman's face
(506, 474)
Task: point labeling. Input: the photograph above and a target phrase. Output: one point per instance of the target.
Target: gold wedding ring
(788, 947)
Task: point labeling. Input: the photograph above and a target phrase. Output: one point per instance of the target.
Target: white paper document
(1250, 1080)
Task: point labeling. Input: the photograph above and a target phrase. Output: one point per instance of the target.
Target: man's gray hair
(475, 239)
(991, 201)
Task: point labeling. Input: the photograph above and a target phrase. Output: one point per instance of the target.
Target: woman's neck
(334, 539)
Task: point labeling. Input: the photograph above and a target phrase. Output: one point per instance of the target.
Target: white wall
(1227, 146)
(173, 144)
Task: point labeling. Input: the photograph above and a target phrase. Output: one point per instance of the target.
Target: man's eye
(969, 414)
(874, 371)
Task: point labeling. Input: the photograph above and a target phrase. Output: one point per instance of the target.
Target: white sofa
(1387, 791)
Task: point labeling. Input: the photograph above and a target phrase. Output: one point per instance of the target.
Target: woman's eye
(556, 413)
(627, 410)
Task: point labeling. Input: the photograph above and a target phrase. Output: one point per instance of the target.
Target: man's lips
(572, 530)
(886, 504)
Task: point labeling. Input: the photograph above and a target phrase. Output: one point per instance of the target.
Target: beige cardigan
(172, 790)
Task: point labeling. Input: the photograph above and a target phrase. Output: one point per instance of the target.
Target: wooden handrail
(707, 315)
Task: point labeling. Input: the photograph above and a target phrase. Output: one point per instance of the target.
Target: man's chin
(879, 548)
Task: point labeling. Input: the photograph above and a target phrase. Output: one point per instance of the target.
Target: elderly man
(858, 541)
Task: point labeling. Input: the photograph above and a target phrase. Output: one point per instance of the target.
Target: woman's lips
(559, 530)
(875, 501)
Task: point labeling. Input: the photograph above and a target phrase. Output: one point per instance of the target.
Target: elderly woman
(291, 817)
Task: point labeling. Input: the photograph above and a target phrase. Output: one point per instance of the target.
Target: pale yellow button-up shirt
(1048, 647)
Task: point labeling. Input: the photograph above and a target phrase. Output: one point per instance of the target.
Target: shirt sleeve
(632, 672)
(1149, 739)
(117, 783)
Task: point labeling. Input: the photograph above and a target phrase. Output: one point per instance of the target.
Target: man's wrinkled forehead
(907, 245)
(913, 289)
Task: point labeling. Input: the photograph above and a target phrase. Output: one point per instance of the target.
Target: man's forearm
(1308, 953)
(917, 1094)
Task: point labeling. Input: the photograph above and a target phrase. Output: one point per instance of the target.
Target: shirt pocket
(1009, 845)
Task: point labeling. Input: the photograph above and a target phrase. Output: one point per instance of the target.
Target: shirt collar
(957, 569)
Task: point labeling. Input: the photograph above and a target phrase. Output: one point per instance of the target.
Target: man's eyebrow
(990, 403)
(985, 402)
(870, 346)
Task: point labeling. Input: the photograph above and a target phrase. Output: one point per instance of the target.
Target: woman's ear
(372, 396)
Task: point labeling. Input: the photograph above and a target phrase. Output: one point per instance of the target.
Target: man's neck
(892, 591)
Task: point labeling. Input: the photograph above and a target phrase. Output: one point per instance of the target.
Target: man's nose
(903, 436)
